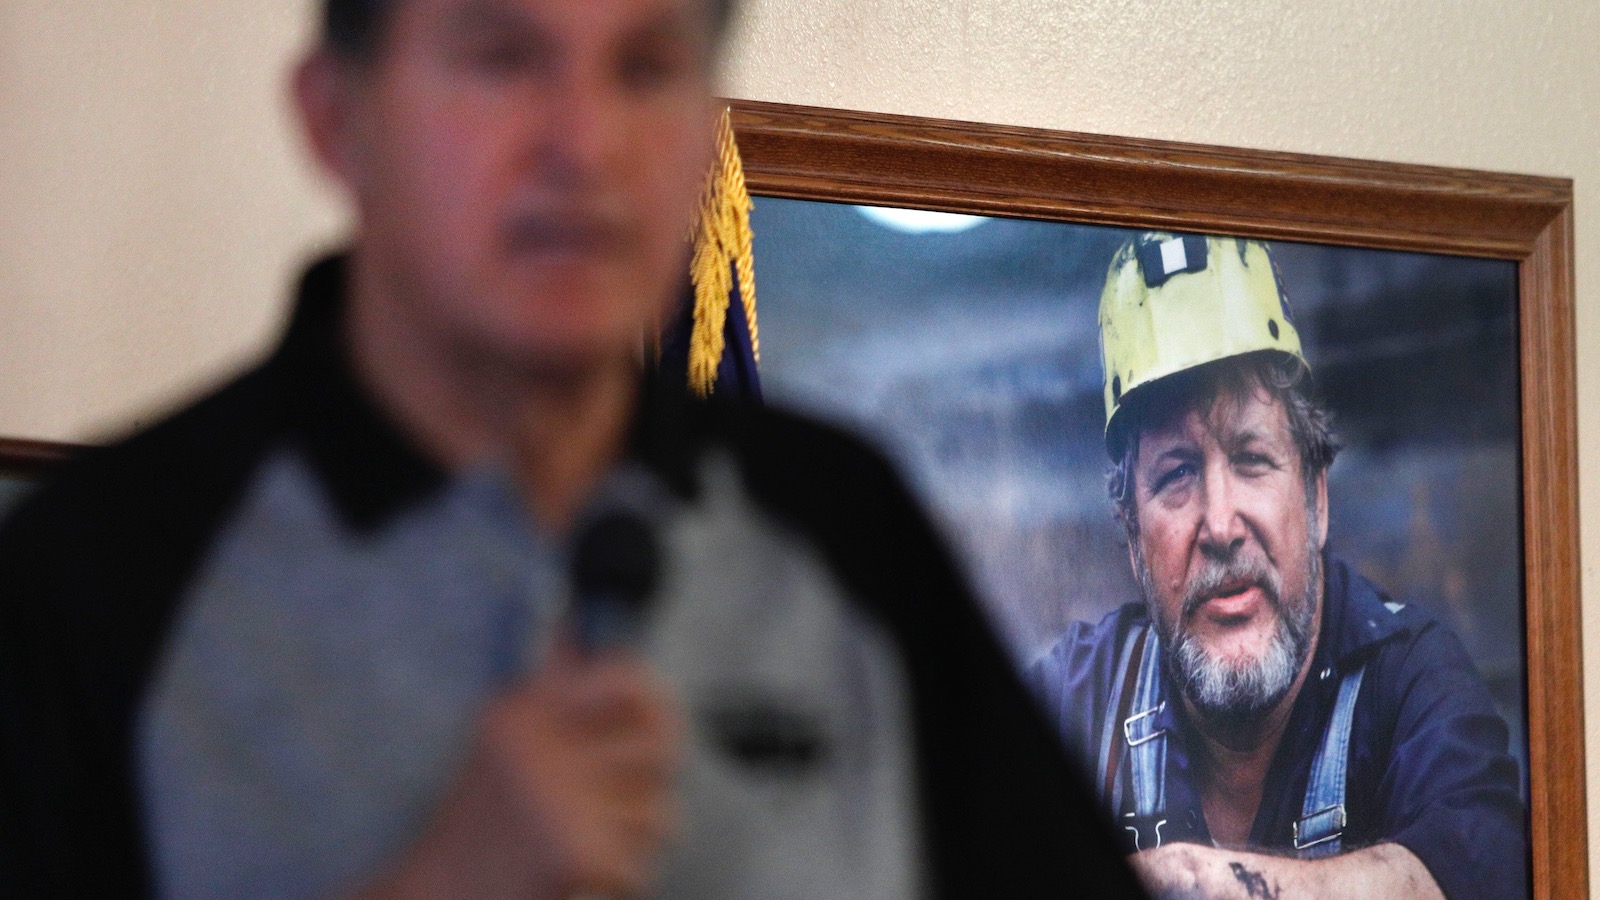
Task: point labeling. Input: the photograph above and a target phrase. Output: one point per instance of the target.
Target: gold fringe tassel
(722, 243)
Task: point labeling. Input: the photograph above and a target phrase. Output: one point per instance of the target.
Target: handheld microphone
(615, 565)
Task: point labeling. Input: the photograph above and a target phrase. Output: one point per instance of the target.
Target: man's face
(525, 170)
(1228, 551)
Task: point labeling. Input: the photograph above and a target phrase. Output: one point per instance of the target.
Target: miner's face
(524, 171)
(1228, 549)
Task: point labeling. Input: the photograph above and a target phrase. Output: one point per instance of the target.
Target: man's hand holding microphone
(568, 788)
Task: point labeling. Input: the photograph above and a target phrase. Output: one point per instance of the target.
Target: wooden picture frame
(851, 157)
(26, 460)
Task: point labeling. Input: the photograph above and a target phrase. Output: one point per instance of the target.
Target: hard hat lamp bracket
(1162, 259)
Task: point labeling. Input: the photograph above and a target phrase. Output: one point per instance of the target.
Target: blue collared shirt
(1428, 763)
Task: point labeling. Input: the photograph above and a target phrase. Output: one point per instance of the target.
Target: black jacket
(93, 565)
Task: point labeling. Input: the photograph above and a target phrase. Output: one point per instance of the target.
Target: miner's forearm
(1193, 871)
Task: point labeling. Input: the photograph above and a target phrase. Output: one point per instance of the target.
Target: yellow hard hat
(1173, 302)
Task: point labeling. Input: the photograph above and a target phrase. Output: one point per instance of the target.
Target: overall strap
(1147, 741)
(1146, 747)
(1111, 782)
(1317, 832)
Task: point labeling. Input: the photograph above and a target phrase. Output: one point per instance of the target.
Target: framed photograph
(936, 285)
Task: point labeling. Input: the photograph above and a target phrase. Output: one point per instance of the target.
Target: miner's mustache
(1237, 569)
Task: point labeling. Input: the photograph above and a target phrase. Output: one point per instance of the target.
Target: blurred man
(1267, 722)
(312, 636)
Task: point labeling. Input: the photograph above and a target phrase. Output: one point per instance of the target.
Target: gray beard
(1235, 694)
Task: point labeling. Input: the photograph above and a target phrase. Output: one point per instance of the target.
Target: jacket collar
(1356, 615)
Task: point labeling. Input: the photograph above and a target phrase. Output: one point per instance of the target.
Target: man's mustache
(571, 230)
(1237, 572)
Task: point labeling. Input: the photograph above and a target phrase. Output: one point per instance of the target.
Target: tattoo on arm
(1255, 884)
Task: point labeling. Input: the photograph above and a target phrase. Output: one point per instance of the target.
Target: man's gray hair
(1228, 380)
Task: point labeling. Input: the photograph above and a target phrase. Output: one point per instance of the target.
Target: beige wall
(153, 200)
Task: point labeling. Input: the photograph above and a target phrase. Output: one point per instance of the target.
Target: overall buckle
(1146, 721)
(1319, 827)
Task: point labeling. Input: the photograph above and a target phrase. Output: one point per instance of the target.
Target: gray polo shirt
(319, 690)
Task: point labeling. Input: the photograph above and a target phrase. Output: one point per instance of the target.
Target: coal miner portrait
(1266, 722)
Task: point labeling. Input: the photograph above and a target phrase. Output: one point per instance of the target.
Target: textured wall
(153, 201)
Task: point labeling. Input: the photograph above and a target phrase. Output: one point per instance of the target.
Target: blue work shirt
(1428, 765)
